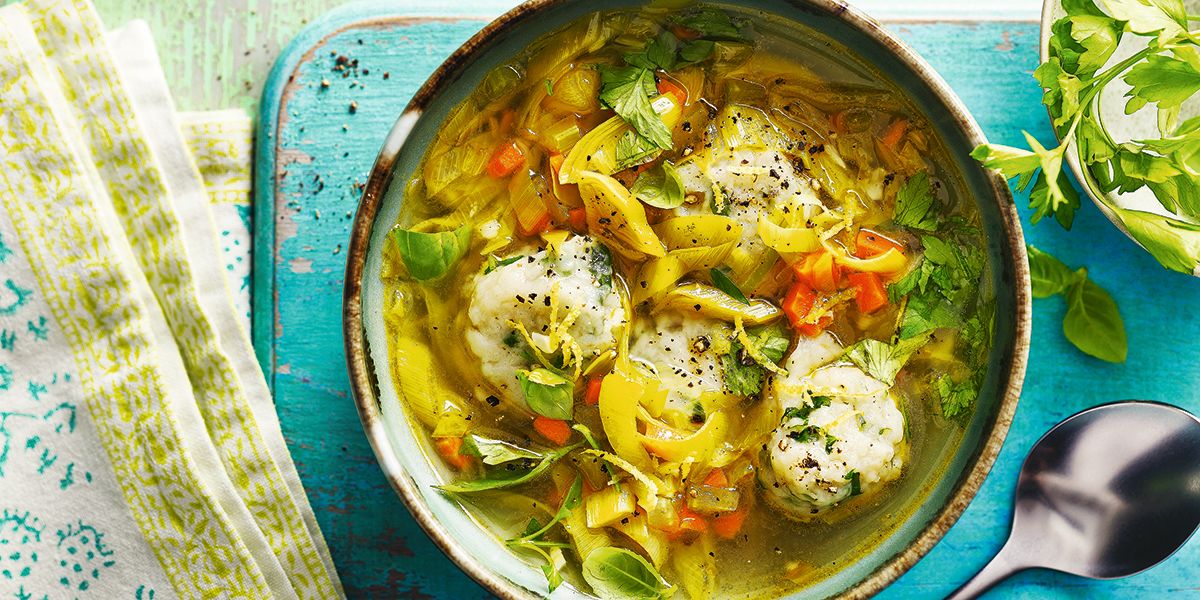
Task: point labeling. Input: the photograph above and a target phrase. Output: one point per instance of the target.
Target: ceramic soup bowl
(927, 508)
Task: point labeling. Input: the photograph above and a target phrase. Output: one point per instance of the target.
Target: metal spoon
(1107, 493)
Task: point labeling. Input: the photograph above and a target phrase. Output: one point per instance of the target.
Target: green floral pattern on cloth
(140, 455)
(110, 448)
(152, 213)
(221, 143)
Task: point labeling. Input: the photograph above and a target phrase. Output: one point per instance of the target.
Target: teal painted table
(325, 150)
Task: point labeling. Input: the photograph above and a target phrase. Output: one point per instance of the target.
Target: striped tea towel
(140, 454)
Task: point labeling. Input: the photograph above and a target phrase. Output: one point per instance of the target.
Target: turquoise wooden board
(314, 151)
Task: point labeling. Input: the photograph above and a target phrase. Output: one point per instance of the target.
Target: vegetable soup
(689, 304)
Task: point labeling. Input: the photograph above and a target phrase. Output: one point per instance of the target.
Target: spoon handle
(1000, 567)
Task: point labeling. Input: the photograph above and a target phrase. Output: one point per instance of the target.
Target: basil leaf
(1048, 275)
(430, 255)
(1093, 323)
(548, 394)
(506, 478)
(882, 360)
(722, 282)
(914, 202)
(660, 187)
(694, 51)
(496, 452)
(619, 574)
(627, 91)
(633, 150)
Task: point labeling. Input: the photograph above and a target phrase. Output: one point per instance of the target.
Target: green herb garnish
(742, 375)
(548, 394)
(617, 573)
(722, 282)
(431, 255)
(1162, 76)
(506, 477)
(914, 204)
(1092, 322)
(882, 360)
(627, 90)
(660, 187)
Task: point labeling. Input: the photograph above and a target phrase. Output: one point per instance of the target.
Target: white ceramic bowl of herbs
(1122, 79)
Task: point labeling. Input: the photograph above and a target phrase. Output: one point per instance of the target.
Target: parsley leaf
(659, 53)
(955, 397)
(882, 360)
(914, 202)
(627, 91)
(633, 150)
(1165, 80)
(741, 374)
(710, 23)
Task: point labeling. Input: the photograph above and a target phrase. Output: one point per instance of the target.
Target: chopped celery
(712, 499)
(609, 505)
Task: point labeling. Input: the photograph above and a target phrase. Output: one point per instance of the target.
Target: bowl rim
(1012, 366)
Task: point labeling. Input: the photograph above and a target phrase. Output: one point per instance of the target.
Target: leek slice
(620, 396)
(708, 301)
(788, 240)
(694, 243)
(696, 566)
(698, 447)
(616, 216)
(888, 263)
(596, 151)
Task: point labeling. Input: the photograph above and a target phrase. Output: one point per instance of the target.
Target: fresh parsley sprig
(1165, 73)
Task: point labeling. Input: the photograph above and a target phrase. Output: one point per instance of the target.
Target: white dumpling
(571, 289)
(682, 351)
(844, 430)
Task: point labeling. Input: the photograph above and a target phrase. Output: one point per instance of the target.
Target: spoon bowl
(1107, 493)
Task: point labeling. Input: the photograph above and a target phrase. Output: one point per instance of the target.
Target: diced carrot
(798, 302)
(555, 430)
(578, 218)
(593, 391)
(716, 478)
(450, 449)
(684, 33)
(506, 119)
(505, 161)
(871, 295)
(689, 523)
(539, 224)
(872, 243)
(728, 525)
(819, 271)
(666, 86)
(894, 133)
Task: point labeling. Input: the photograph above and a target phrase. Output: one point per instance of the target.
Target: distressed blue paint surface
(326, 150)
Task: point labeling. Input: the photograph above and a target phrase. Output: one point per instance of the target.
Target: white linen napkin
(140, 455)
